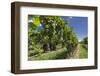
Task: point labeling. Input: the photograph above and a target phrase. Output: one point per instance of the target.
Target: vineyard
(50, 37)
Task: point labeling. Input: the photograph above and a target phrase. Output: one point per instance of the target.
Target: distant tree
(85, 40)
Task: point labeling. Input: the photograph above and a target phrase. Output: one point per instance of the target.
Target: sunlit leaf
(36, 21)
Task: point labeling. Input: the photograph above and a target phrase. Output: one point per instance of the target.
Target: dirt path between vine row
(75, 54)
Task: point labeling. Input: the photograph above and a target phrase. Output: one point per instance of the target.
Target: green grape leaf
(36, 21)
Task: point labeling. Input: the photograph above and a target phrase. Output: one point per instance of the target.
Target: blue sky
(79, 25)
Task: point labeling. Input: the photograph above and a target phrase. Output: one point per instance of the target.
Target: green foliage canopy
(55, 31)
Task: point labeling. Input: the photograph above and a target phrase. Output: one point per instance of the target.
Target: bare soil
(75, 53)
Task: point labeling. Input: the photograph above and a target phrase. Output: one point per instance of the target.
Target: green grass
(58, 54)
(83, 51)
